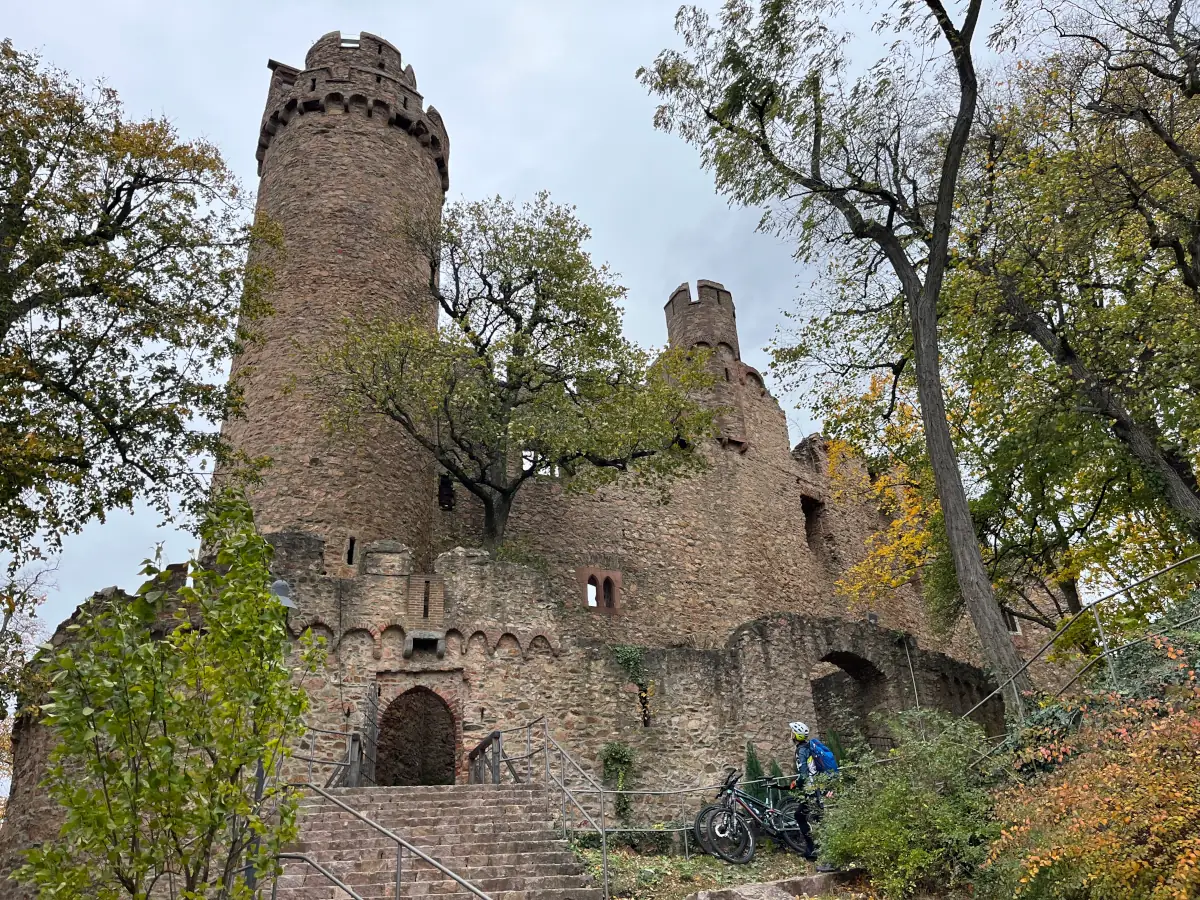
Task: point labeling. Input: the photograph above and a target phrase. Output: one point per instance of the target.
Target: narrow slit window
(593, 590)
(314, 84)
(425, 609)
(350, 551)
(610, 594)
(814, 521)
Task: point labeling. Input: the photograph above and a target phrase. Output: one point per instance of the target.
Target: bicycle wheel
(731, 836)
(700, 829)
(789, 830)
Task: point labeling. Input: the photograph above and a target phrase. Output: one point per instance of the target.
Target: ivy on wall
(618, 759)
(632, 660)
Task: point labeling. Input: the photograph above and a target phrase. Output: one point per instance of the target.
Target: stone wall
(512, 650)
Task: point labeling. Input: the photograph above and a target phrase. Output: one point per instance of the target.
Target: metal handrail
(400, 843)
(320, 868)
(1086, 608)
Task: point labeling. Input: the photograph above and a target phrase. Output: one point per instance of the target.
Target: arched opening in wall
(416, 743)
(593, 592)
(847, 689)
(610, 594)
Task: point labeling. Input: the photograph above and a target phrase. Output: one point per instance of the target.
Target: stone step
(373, 883)
(437, 793)
(498, 838)
(385, 846)
(418, 818)
(431, 834)
(468, 858)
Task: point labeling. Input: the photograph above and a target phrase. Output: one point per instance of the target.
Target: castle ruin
(727, 590)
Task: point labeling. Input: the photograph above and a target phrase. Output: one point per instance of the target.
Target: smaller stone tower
(749, 414)
(709, 321)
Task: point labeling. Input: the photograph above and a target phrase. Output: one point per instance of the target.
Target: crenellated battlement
(709, 320)
(356, 76)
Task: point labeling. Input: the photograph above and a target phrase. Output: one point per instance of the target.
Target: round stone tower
(348, 158)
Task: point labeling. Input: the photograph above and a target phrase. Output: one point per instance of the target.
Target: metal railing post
(497, 752)
(1112, 672)
(603, 844)
(562, 784)
(528, 752)
(399, 868)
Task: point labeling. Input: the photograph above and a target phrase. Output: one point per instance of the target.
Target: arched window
(601, 589)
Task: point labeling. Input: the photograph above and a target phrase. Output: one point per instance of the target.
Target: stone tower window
(610, 594)
(350, 551)
(592, 590)
(1011, 622)
(425, 608)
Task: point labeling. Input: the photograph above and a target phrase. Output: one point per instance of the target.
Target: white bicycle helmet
(799, 730)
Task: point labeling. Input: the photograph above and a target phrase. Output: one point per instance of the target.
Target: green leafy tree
(163, 706)
(867, 166)
(122, 269)
(528, 373)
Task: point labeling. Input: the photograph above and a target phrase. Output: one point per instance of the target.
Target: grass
(634, 876)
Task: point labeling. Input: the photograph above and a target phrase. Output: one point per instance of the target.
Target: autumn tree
(528, 372)
(1084, 232)
(866, 165)
(1066, 328)
(161, 726)
(122, 267)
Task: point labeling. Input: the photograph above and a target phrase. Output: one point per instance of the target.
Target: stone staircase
(498, 837)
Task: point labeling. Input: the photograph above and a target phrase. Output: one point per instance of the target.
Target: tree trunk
(495, 520)
(1070, 590)
(973, 580)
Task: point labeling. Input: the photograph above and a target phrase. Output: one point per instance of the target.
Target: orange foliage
(1122, 817)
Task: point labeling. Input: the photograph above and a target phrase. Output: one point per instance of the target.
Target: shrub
(754, 773)
(920, 816)
(1119, 818)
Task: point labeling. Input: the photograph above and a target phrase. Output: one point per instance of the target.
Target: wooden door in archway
(417, 742)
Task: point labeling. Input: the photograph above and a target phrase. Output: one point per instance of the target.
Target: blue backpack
(822, 755)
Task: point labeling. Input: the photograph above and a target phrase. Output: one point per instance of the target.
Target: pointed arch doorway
(416, 743)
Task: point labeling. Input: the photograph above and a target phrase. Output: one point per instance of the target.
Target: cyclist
(806, 777)
(807, 769)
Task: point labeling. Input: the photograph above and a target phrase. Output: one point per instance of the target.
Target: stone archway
(416, 743)
(847, 689)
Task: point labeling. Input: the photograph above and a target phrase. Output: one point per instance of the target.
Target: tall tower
(347, 157)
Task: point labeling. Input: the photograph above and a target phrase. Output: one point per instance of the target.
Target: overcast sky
(535, 94)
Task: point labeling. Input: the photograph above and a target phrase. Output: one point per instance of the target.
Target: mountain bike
(729, 827)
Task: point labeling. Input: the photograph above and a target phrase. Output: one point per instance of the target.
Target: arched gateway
(416, 743)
